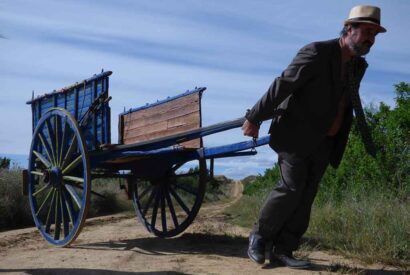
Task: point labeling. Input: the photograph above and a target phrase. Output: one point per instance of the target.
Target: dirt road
(119, 244)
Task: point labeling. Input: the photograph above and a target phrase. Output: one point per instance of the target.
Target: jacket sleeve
(302, 69)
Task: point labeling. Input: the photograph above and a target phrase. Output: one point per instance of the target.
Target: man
(312, 105)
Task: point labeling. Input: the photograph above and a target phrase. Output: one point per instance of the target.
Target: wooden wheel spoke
(50, 210)
(78, 186)
(51, 135)
(44, 201)
(74, 179)
(155, 208)
(45, 162)
(63, 141)
(72, 165)
(171, 208)
(41, 189)
(57, 139)
(72, 213)
(57, 218)
(179, 200)
(74, 195)
(151, 197)
(70, 151)
(187, 188)
(64, 216)
(37, 173)
(163, 212)
(46, 146)
(143, 193)
(70, 207)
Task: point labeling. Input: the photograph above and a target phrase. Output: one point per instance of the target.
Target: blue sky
(161, 48)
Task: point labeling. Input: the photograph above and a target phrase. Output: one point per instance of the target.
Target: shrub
(14, 207)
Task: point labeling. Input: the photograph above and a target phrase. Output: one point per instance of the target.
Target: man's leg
(283, 200)
(280, 204)
(292, 231)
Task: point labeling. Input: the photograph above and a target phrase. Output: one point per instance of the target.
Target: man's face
(361, 39)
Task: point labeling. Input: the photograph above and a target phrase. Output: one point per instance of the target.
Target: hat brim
(380, 28)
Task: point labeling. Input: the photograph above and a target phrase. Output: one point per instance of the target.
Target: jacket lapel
(336, 70)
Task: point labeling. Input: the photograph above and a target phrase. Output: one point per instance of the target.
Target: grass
(115, 199)
(15, 210)
(14, 207)
(374, 229)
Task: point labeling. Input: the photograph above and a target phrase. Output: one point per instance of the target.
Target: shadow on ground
(188, 243)
(82, 271)
(211, 244)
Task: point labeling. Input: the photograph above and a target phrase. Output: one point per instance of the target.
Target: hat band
(365, 19)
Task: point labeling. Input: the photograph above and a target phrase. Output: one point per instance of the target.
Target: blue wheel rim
(59, 178)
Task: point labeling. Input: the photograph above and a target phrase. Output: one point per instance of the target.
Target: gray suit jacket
(303, 102)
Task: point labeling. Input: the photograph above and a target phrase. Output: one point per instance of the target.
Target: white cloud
(160, 48)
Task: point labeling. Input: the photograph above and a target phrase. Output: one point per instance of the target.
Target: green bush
(262, 183)
(115, 199)
(218, 188)
(15, 211)
(14, 207)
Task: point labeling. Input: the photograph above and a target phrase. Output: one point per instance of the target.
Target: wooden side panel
(172, 117)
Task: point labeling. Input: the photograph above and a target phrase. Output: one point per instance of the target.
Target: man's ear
(349, 28)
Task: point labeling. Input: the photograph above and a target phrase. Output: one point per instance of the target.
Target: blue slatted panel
(77, 99)
(61, 101)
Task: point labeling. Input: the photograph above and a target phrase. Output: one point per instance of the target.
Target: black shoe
(256, 249)
(288, 260)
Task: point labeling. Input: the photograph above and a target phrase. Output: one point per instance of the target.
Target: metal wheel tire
(168, 205)
(59, 177)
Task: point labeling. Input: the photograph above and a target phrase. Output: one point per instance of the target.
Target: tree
(389, 173)
(4, 163)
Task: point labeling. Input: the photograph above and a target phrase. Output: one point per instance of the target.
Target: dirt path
(119, 244)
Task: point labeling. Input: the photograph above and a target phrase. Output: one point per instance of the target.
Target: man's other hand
(249, 129)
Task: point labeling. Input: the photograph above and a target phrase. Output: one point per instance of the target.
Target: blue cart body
(77, 100)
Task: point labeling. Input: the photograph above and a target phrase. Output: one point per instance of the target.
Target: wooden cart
(160, 153)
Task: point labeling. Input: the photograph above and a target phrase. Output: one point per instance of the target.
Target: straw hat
(365, 14)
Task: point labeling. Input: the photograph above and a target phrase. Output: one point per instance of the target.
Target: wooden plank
(189, 123)
(186, 119)
(162, 133)
(195, 143)
(148, 120)
(166, 119)
(145, 129)
(131, 130)
(167, 106)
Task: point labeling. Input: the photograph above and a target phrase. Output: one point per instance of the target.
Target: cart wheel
(59, 177)
(168, 205)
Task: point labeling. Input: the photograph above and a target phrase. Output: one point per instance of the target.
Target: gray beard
(360, 50)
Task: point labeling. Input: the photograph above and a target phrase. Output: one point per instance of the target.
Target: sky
(158, 49)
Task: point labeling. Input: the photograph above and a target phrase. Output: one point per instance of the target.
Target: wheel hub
(56, 176)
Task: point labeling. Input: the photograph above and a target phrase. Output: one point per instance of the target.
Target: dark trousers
(284, 217)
